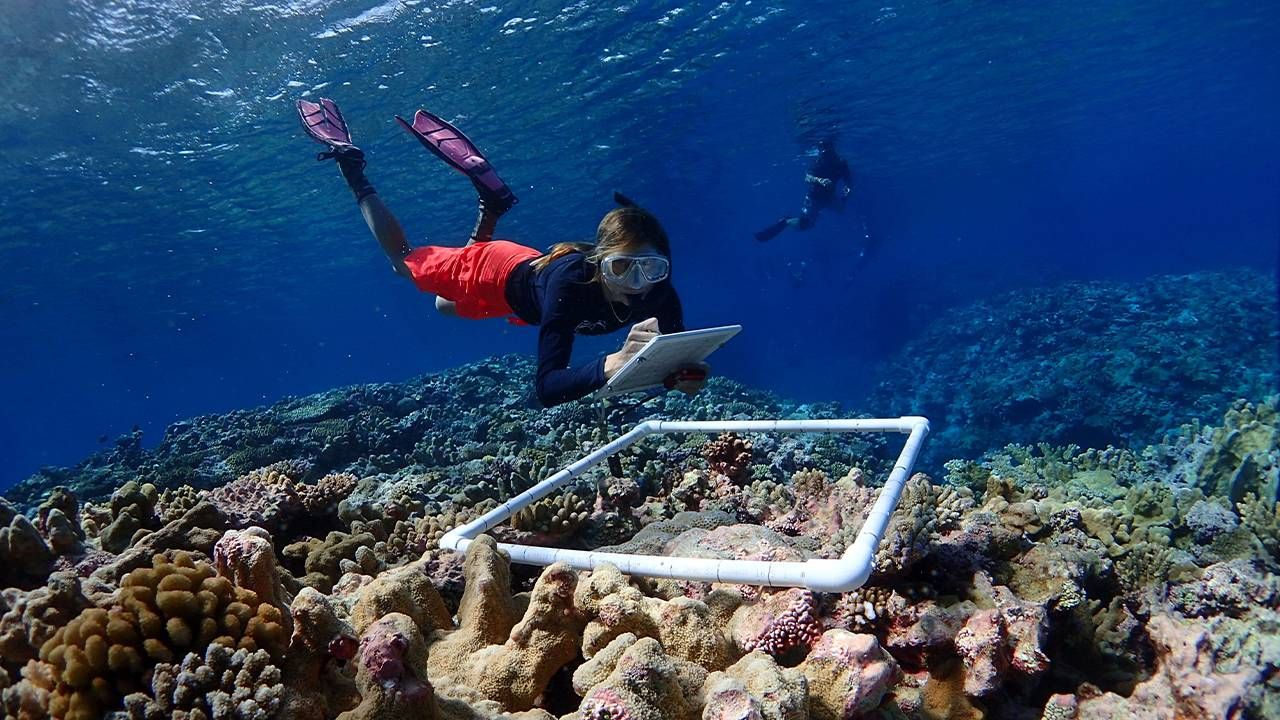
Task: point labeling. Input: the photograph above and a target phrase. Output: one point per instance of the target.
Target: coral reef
(1093, 364)
(223, 575)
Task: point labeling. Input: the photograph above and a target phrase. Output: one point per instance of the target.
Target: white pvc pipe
(847, 573)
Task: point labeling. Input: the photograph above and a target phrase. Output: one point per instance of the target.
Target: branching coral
(235, 685)
(1243, 454)
(911, 528)
(173, 503)
(274, 496)
(780, 624)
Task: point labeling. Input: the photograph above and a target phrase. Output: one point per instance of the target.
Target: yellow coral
(163, 611)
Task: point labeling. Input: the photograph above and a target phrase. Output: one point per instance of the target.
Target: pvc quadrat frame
(847, 573)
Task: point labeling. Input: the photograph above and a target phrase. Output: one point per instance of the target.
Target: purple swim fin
(323, 121)
(449, 144)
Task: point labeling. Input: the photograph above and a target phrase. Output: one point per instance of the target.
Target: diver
(827, 171)
(574, 288)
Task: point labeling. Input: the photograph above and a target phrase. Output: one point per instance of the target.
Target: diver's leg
(486, 222)
(386, 229)
(808, 214)
(772, 231)
(384, 226)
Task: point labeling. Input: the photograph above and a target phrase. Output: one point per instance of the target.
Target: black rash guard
(829, 166)
(562, 300)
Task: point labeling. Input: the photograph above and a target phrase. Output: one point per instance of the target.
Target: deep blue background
(169, 248)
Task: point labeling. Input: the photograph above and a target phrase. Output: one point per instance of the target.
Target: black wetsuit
(562, 301)
(828, 165)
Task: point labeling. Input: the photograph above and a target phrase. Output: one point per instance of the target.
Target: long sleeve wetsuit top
(562, 301)
(829, 166)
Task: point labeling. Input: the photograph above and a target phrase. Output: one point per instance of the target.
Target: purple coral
(382, 653)
(795, 627)
(604, 704)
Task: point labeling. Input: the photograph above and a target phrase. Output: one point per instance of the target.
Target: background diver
(574, 288)
(826, 173)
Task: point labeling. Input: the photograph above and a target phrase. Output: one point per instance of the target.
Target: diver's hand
(640, 335)
(688, 379)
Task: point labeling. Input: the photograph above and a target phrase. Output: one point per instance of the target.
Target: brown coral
(173, 607)
(689, 629)
(729, 455)
(559, 516)
(848, 675)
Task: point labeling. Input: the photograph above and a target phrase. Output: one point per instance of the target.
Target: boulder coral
(515, 671)
(392, 673)
(175, 606)
(848, 674)
(689, 629)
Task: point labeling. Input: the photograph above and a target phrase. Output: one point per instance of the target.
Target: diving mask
(635, 273)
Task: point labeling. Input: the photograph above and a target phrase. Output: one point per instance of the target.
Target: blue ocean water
(168, 246)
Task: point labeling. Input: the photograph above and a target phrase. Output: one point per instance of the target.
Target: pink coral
(382, 653)
(762, 627)
(1186, 684)
(605, 704)
(981, 643)
(247, 559)
(343, 647)
(848, 674)
(267, 498)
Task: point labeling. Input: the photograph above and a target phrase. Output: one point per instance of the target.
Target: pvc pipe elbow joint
(837, 576)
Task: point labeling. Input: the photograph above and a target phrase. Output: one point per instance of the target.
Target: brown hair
(620, 230)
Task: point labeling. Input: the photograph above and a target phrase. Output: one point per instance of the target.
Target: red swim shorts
(473, 277)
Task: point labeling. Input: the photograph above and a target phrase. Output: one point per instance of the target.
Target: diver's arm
(556, 382)
(386, 229)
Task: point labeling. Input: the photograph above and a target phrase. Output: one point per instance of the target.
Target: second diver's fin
(772, 231)
(449, 144)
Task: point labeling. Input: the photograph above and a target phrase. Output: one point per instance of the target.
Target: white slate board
(663, 354)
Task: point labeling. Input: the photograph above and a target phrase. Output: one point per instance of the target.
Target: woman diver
(573, 288)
